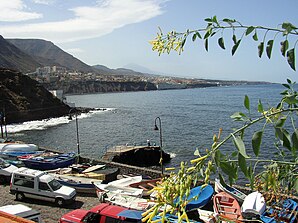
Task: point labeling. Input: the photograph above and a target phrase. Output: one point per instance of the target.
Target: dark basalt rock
(23, 99)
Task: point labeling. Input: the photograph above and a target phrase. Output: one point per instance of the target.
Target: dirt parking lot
(49, 212)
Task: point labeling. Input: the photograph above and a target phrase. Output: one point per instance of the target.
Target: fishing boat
(254, 205)
(146, 185)
(206, 216)
(6, 170)
(81, 184)
(17, 147)
(227, 207)
(50, 163)
(124, 200)
(126, 181)
(198, 197)
(282, 212)
(117, 189)
(221, 187)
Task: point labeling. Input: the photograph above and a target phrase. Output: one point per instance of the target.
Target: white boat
(123, 200)
(126, 181)
(218, 187)
(254, 204)
(117, 189)
(6, 170)
(206, 216)
(81, 184)
(17, 147)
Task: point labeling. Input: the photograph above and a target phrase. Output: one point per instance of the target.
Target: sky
(116, 33)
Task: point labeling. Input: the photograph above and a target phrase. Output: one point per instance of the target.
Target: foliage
(266, 38)
(276, 176)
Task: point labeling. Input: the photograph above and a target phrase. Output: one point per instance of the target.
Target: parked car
(6, 170)
(40, 185)
(22, 211)
(103, 213)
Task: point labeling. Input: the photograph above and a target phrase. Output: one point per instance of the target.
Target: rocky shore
(49, 212)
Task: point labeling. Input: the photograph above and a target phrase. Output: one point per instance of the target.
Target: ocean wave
(47, 123)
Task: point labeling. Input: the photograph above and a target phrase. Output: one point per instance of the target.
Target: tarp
(132, 214)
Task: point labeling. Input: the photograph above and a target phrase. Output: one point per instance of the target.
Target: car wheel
(60, 202)
(20, 196)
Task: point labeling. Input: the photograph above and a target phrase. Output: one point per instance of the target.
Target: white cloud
(14, 10)
(44, 2)
(89, 22)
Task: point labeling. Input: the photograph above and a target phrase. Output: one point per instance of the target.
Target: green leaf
(242, 164)
(239, 116)
(291, 99)
(228, 169)
(235, 47)
(284, 137)
(295, 141)
(289, 81)
(206, 45)
(214, 19)
(238, 142)
(194, 36)
(255, 37)
(284, 47)
(221, 43)
(249, 30)
(261, 49)
(280, 123)
(246, 102)
(269, 48)
(234, 38)
(208, 20)
(291, 58)
(256, 142)
(260, 107)
(286, 85)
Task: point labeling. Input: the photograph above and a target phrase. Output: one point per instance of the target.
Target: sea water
(189, 119)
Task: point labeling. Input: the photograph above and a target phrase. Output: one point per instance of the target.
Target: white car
(40, 185)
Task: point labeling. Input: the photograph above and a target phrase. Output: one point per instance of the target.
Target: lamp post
(77, 130)
(160, 141)
(3, 119)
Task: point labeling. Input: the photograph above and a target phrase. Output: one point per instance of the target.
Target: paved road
(49, 212)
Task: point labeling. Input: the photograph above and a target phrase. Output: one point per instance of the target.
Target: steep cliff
(86, 87)
(23, 99)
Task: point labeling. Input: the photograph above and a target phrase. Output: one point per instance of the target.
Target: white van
(37, 184)
(22, 211)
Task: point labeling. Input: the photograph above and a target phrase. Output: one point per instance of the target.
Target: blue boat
(286, 212)
(50, 163)
(199, 197)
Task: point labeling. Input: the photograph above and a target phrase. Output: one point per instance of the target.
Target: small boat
(81, 184)
(199, 196)
(123, 200)
(227, 207)
(146, 185)
(170, 218)
(117, 189)
(17, 147)
(254, 205)
(50, 163)
(206, 216)
(6, 170)
(220, 187)
(283, 212)
(126, 181)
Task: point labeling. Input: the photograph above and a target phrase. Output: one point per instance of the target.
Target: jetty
(142, 156)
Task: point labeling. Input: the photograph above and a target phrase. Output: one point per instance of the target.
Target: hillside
(14, 58)
(23, 99)
(48, 54)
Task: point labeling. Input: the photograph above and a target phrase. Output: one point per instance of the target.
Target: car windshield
(91, 218)
(55, 185)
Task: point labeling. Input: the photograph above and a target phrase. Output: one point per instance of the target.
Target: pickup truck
(102, 213)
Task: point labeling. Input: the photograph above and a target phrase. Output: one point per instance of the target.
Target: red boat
(227, 207)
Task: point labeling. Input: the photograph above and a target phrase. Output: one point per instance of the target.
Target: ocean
(189, 119)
